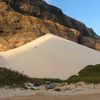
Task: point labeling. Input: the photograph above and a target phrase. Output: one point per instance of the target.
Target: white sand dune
(49, 56)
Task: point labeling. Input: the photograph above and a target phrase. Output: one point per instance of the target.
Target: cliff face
(41, 9)
(22, 21)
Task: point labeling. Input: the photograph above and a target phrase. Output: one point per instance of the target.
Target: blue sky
(87, 11)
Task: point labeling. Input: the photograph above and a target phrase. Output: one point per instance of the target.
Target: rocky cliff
(21, 21)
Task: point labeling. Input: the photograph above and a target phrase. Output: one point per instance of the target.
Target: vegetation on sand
(90, 74)
(13, 78)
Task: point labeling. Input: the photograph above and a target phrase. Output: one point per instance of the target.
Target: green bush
(11, 78)
(90, 74)
(90, 70)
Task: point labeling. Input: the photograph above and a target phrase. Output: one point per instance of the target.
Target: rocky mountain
(21, 21)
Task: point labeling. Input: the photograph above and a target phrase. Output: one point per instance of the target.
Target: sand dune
(49, 56)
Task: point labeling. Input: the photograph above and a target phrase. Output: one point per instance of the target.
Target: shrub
(90, 71)
(90, 74)
(11, 78)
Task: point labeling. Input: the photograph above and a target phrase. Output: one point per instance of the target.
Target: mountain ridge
(57, 17)
(51, 20)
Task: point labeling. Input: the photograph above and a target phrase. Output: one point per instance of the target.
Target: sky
(87, 11)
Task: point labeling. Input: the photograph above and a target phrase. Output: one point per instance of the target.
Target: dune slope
(49, 56)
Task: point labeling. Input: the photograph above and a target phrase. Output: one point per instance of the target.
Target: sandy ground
(66, 97)
(76, 94)
(78, 91)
